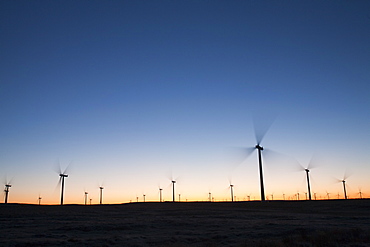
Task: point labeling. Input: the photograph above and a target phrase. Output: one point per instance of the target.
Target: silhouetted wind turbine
(62, 176)
(86, 193)
(173, 190)
(232, 192)
(259, 130)
(101, 194)
(160, 194)
(6, 190)
(360, 193)
(307, 170)
(343, 181)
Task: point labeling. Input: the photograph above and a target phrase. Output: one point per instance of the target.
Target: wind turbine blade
(274, 159)
(262, 125)
(57, 168)
(239, 155)
(58, 184)
(347, 174)
(314, 162)
(68, 168)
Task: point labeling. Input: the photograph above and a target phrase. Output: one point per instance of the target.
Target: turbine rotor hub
(259, 147)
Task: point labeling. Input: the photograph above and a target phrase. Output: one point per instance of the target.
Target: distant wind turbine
(62, 176)
(101, 194)
(86, 194)
(160, 195)
(6, 190)
(343, 181)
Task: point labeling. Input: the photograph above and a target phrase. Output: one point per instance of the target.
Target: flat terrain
(273, 223)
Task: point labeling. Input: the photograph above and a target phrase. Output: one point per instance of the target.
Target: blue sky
(133, 91)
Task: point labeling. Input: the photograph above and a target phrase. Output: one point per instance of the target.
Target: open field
(273, 223)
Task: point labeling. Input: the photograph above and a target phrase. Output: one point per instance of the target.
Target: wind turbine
(343, 181)
(101, 194)
(6, 190)
(360, 193)
(259, 130)
(160, 194)
(39, 199)
(86, 193)
(62, 176)
(173, 190)
(232, 192)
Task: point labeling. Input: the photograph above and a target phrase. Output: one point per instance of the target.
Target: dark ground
(273, 223)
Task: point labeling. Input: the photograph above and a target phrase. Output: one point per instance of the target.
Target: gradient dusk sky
(134, 92)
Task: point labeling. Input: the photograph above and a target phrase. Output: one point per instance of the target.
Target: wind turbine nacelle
(63, 175)
(259, 147)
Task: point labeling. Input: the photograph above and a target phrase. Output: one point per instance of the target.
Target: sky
(132, 94)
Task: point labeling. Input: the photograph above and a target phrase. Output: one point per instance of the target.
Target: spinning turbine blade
(262, 126)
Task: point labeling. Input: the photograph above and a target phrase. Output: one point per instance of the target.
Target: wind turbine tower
(86, 197)
(62, 177)
(7, 186)
(160, 194)
(173, 190)
(308, 183)
(101, 194)
(344, 188)
(260, 149)
(232, 192)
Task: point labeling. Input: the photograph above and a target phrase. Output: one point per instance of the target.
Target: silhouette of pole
(101, 194)
(308, 183)
(40, 200)
(173, 190)
(232, 192)
(160, 195)
(7, 186)
(344, 188)
(261, 172)
(86, 198)
(62, 192)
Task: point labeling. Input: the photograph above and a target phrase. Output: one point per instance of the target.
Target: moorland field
(270, 223)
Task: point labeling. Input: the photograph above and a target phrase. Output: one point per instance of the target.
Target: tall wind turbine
(39, 199)
(101, 194)
(160, 194)
(232, 192)
(307, 170)
(259, 130)
(344, 188)
(62, 176)
(86, 193)
(343, 181)
(6, 190)
(173, 190)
